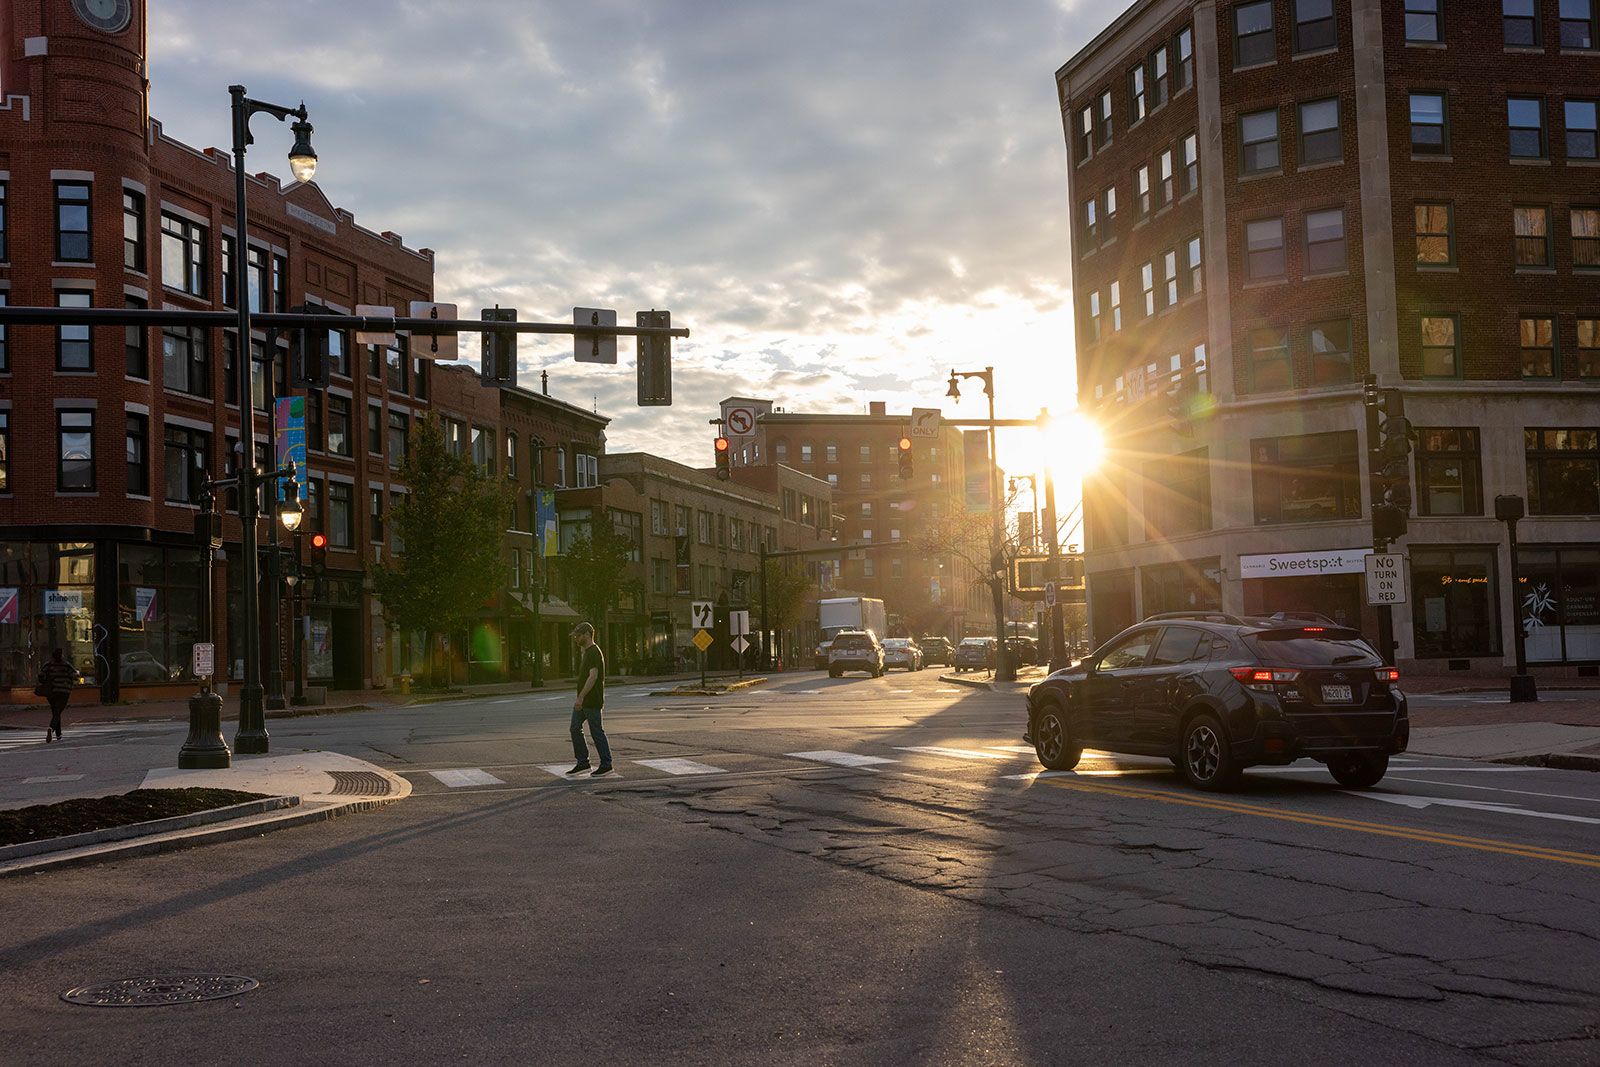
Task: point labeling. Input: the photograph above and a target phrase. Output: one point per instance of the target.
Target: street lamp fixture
(302, 157)
(289, 512)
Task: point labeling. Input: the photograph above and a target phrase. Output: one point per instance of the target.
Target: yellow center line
(1234, 807)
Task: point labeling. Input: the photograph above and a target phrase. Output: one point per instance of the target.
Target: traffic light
(905, 458)
(319, 554)
(723, 470)
(1389, 436)
(498, 362)
(308, 363)
(654, 365)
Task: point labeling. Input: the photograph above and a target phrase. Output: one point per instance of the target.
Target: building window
(1537, 334)
(1310, 478)
(185, 363)
(75, 451)
(74, 344)
(316, 439)
(1423, 24)
(1560, 587)
(339, 443)
(1094, 315)
(1441, 351)
(341, 515)
(183, 255)
(1589, 348)
(1330, 353)
(4, 254)
(1197, 279)
(1171, 264)
(805, 452)
(1430, 125)
(1137, 103)
(1158, 77)
(1116, 306)
(187, 457)
(1264, 257)
(1581, 123)
(1532, 226)
(1520, 19)
(5, 354)
(483, 451)
(1314, 28)
(1258, 142)
(1166, 188)
(588, 470)
(1141, 189)
(1191, 164)
(1325, 247)
(511, 456)
(1525, 120)
(1577, 24)
(73, 243)
(1091, 223)
(1457, 612)
(375, 516)
(1183, 72)
(280, 282)
(1253, 41)
(5, 451)
(375, 362)
(1103, 119)
(1449, 471)
(1270, 366)
(1586, 237)
(1436, 238)
(136, 343)
(399, 432)
(374, 430)
(831, 450)
(1563, 471)
(1147, 276)
(133, 243)
(1320, 137)
(138, 454)
(396, 360)
(866, 479)
(1177, 496)
(1085, 135)
(257, 278)
(1108, 225)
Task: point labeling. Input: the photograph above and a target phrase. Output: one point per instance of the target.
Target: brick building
(857, 456)
(1274, 198)
(107, 433)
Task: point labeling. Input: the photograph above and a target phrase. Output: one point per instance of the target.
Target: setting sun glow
(1076, 445)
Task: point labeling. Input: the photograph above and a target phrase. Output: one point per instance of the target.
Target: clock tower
(83, 66)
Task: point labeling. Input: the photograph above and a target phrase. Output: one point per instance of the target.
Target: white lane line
(1409, 800)
(50, 778)
(1408, 770)
(1492, 788)
(843, 759)
(1025, 749)
(560, 771)
(680, 766)
(1120, 772)
(954, 753)
(462, 777)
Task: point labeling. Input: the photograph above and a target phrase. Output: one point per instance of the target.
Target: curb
(301, 712)
(708, 692)
(145, 829)
(1561, 761)
(962, 679)
(232, 831)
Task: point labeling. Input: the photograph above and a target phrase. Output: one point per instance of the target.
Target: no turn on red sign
(1386, 578)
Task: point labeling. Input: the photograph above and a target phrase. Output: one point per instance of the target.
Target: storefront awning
(552, 609)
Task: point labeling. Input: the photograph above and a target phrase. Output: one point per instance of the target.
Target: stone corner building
(1273, 199)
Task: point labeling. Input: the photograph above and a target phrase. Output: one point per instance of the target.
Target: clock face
(109, 16)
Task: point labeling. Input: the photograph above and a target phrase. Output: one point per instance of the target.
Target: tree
(595, 566)
(787, 589)
(451, 522)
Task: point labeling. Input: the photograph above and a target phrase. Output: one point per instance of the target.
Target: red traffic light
(319, 540)
(722, 444)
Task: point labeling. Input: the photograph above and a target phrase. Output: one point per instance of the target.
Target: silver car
(901, 652)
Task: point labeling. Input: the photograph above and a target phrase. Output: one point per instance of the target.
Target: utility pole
(1058, 641)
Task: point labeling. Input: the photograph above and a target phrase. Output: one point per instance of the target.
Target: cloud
(840, 200)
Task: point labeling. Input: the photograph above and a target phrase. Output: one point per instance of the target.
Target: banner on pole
(546, 524)
(289, 426)
(979, 483)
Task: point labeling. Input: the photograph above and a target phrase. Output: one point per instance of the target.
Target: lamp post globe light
(290, 514)
(251, 737)
(1004, 671)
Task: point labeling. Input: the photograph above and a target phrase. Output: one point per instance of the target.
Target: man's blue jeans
(580, 751)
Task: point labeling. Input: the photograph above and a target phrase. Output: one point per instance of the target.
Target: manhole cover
(359, 784)
(155, 991)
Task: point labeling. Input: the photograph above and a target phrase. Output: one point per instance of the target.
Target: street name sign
(702, 614)
(925, 422)
(703, 640)
(205, 659)
(739, 422)
(594, 347)
(1386, 578)
(440, 346)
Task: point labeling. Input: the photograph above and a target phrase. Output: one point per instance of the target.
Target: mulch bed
(99, 813)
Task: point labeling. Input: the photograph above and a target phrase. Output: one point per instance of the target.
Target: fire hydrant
(405, 682)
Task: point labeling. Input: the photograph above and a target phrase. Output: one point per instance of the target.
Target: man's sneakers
(603, 770)
(580, 768)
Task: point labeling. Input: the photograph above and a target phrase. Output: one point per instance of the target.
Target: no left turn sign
(739, 422)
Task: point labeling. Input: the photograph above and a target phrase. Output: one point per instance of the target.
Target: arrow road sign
(702, 614)
(739, 422)
(925, 422)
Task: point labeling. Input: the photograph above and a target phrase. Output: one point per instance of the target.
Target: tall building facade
(106, 434)
(1273, 199)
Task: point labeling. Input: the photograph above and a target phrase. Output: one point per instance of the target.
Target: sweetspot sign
(1292, 564)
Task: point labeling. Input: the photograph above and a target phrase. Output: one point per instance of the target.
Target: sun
(1077, 446)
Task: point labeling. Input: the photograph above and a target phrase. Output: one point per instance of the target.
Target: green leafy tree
(596, 569)
(787, 589)
(451, 522)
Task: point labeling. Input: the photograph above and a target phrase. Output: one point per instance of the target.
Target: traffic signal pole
(1058, 637)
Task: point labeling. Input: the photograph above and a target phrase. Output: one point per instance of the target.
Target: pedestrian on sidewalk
(56, 679)
(591, 699)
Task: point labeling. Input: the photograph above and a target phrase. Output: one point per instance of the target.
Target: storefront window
(1189, 586)
(46, 602)
(1456, 602)
(1309, 478)
(158, 613)
(1559, 604)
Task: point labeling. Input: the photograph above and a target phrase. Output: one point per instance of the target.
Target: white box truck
(848, 613)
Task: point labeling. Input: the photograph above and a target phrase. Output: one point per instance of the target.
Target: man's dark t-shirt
(593, 659)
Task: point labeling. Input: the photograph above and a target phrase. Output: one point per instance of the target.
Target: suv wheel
(1359, 770)
(1053, 741)
(1206, 759)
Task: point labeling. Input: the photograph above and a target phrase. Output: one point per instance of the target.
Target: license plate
(1337, 694)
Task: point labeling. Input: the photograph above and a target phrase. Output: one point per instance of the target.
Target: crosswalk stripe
(1026, 749)
(843, 759)
(462, 777)
(560, 771)
(50, 779)
(955, 753)
(680, 766)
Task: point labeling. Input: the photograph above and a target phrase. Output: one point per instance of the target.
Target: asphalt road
(843, 871)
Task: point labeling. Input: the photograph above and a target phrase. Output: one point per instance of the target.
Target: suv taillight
(1387, 674)
(1265, 679)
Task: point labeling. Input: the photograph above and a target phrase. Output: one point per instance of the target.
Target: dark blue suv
(1216, 694)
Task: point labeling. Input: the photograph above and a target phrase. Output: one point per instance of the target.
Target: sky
(841, 200)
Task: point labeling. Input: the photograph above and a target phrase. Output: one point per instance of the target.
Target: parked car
(855, 650)
(821, 659)
(1216, 694)
(901, 652)
(937, 650)
(1024, 651)
(975, 654)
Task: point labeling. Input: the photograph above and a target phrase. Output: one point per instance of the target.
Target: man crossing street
(591, 699)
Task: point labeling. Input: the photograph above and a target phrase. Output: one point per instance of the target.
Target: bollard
(205, 749)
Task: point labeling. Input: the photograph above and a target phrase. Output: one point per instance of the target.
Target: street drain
(153, 992)
(359, 784)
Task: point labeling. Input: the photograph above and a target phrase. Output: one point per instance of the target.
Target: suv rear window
(851, 641)
(1297, 648)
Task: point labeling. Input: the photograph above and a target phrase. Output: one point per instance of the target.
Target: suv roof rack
(1199, 616)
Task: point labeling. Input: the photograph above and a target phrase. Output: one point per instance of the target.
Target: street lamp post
(251, 737)
(1510, 510)
(1003, 670)
(1058, 642)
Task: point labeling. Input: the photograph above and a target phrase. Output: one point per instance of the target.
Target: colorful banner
(546, 524)
(8, 606)
(979, 479)
(289, 426)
